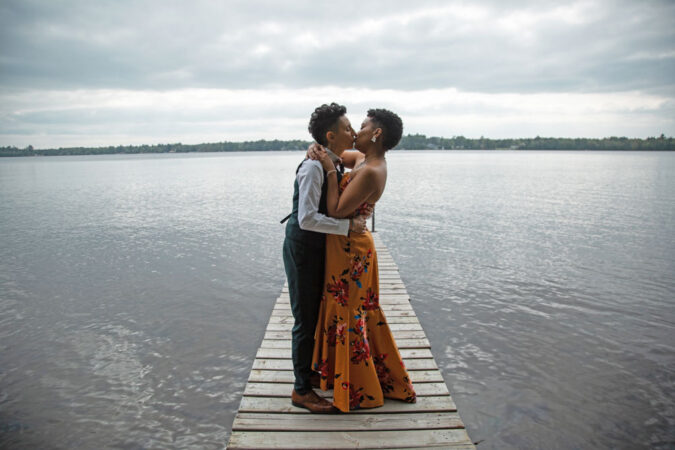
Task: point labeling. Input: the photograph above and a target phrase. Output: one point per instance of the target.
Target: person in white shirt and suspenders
(304, 246)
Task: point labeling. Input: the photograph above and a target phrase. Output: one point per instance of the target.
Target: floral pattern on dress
(357, 396)
(371, 301)
(359, 266)
(322, 368)
(383, 373)
(336, 332)
(360, 351)
(359, 325)
(412, 396)
(340, 290)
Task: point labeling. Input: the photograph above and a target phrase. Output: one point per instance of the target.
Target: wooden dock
(267, 420)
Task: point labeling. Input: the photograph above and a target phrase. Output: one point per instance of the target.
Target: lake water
(135, 290)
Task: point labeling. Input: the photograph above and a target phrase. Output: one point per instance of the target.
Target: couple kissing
(340, 337)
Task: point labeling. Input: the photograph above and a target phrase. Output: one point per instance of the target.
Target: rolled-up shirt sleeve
(310, 180)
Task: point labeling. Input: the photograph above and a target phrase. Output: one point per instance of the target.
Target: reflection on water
(134, 292)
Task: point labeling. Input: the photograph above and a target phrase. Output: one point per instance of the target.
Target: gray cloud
(481, 47)
(118, 72)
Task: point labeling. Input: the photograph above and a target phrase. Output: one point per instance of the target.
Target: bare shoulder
(369, 172)
(378, 170)
(373, 176)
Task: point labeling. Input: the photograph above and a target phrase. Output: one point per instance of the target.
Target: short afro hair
(391, 124)
(323, 119)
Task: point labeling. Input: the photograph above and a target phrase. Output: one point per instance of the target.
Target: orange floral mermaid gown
(354, 350)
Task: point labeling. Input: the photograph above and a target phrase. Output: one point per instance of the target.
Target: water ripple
(134, 292)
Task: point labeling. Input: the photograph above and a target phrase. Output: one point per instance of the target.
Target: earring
(373, 139)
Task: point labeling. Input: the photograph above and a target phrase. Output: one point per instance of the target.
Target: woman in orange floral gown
(354, 350)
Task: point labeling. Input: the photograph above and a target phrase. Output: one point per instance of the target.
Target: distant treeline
(409, 142)
(420, 141)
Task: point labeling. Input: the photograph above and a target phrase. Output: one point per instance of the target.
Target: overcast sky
(90, 73)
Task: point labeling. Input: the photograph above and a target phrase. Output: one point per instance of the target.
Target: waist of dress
(364, 237)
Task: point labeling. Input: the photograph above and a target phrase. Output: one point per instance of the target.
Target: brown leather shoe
(312, 402)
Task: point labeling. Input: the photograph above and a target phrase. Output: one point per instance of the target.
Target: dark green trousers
(304, 271)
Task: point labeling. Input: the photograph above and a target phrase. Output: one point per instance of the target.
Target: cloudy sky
(115, 72)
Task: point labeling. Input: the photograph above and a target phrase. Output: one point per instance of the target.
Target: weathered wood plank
(391, 297)
(287, 376)
(389, 308)
(401, 343)
(394, 318)
(453, 447)
(347, 422)
(399, 286)
(384, 302)
(387, 285)
(283, 405)
(403, 309)
(398, 334)
(392, 327)
(425, 376)
(408, 334)
(345, 440)
(287, 364)
(402, 301)
(386, 294)
(284, 390)
(282, 353)
(383, 288)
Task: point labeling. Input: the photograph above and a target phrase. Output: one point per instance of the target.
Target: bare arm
(351, 157)
(356, 193)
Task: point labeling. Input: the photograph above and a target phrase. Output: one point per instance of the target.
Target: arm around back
(310, 180)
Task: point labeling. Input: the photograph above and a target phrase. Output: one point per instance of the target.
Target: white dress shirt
(310, 180)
